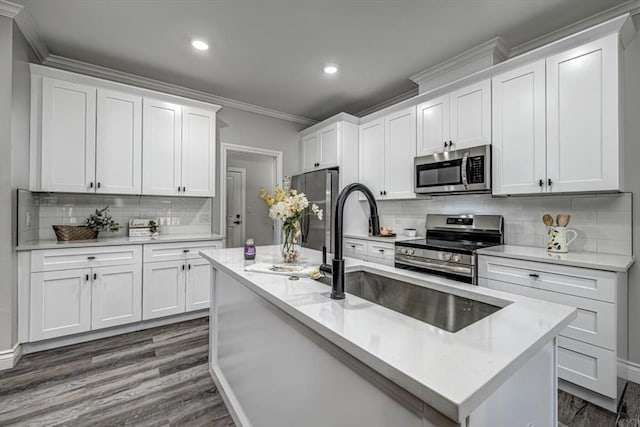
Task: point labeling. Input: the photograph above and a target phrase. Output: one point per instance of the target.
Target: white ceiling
(271, 52)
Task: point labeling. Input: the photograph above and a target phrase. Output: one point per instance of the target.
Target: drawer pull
(381, 251)
(353, 246)
(534, 275)
(91, 258)
(186, 251)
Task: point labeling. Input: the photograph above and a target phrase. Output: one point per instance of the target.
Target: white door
(328, 140)
(371, 169)
(198, 284)
(163, 289)
(68, 136)
(433, 129)
(471, 115)
(582, 118)
(236, 202)
(399, 151)
(310, 151)
(519, 130)
(198, 152)
(60, 303)
(118, 143)
(161, 148)
(117, 295)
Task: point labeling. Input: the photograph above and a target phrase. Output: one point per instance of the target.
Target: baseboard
(629, 370)
(10, 358)
(235, 410)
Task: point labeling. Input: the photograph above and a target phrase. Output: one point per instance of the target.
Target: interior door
(235, 207)
(519, 124)
(161, 148)
(117, 295)
(198, 152)
(68, 136)
(118, 143)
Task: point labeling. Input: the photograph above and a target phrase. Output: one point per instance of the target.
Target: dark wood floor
(159, 377)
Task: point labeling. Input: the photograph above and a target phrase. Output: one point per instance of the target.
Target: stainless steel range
(449, 248)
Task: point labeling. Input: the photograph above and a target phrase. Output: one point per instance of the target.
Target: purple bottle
(249, 250)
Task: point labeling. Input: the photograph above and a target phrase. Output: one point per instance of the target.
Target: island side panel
(528, 398)
(273, 373)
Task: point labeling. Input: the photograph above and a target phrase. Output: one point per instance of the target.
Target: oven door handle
(463, 168)
(438, 266)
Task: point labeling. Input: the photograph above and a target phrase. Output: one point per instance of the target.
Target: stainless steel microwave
(453, 172)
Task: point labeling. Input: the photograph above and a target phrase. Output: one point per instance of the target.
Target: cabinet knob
(445, 144)
(86, 277)
(91, 184)
(98, 185)
(95, 276)
(550, 182)
(178, 189)
(353, 246)
(189, 266)
(541, 182)
(184, 189)
(384, 192)
(183, 266)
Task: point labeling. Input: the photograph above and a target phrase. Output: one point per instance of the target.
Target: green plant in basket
(101, 220)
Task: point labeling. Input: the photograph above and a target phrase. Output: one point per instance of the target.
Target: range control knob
(446, 256)
(411, 251)
(403, 250)
(456, 258)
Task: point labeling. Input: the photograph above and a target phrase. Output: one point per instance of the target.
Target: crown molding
(488, 53)
(28, 28)
(631, 7)
(9, 9)
(388, 102)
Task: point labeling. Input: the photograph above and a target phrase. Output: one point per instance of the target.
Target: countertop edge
(566, 262)
(451, 409)
(116, 242)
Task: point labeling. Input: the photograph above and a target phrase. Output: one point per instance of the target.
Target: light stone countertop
(115, 241)
(597, 261)
(397, 238)
(452, 372)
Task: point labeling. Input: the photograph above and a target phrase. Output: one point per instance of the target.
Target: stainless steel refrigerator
(321, 188)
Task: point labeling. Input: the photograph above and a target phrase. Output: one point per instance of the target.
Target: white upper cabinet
(399, 151)
(118, 143)
(433, 126)
(310, 151)
(471, 116)
(198, 152)
(387, 149)
(68, 150)
(372, 156)
(90, 135)
(162, 148)
(328, 145)
(583, 142)
(519, 152)
(457, 120)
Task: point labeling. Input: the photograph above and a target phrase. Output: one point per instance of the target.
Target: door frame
(243, 202)
(225, 149)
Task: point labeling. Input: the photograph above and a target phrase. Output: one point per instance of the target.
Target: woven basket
(65, 233)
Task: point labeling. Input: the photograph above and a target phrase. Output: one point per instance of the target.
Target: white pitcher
(558, 239)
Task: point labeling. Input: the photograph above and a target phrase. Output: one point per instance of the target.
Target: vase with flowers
(290, 207)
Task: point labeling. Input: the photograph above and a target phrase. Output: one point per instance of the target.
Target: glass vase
(290, 245)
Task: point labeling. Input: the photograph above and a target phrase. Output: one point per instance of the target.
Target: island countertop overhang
(452, 372)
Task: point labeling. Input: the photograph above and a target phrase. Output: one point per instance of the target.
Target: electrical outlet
(204, 218)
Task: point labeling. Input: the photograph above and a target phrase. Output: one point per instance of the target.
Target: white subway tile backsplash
(603, 222)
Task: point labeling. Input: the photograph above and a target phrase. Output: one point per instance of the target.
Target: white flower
(316, 211)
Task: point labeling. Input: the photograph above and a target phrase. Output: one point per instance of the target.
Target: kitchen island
(283, 353)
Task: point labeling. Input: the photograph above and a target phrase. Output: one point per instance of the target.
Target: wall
(254, 130)
(260, 174)
(603, 222)
(631, 94)
(175, 215)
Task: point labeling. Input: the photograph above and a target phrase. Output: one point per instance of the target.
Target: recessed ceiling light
(330, 69)
(199, 45)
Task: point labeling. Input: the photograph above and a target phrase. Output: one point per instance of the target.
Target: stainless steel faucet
(336, 270)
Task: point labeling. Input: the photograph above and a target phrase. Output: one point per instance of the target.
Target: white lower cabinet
(369, 250)
(117, 296)
(198, 284)
(163, 289)
(60, 303)
(588, 349)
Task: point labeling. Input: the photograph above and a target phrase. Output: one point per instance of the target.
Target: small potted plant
(101, 220)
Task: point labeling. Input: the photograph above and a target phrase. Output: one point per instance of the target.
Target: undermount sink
(440, 309)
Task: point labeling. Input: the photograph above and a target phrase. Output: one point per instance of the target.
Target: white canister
(557, 241)
(410, 232)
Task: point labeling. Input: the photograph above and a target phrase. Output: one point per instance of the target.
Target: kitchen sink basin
(440, 309)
